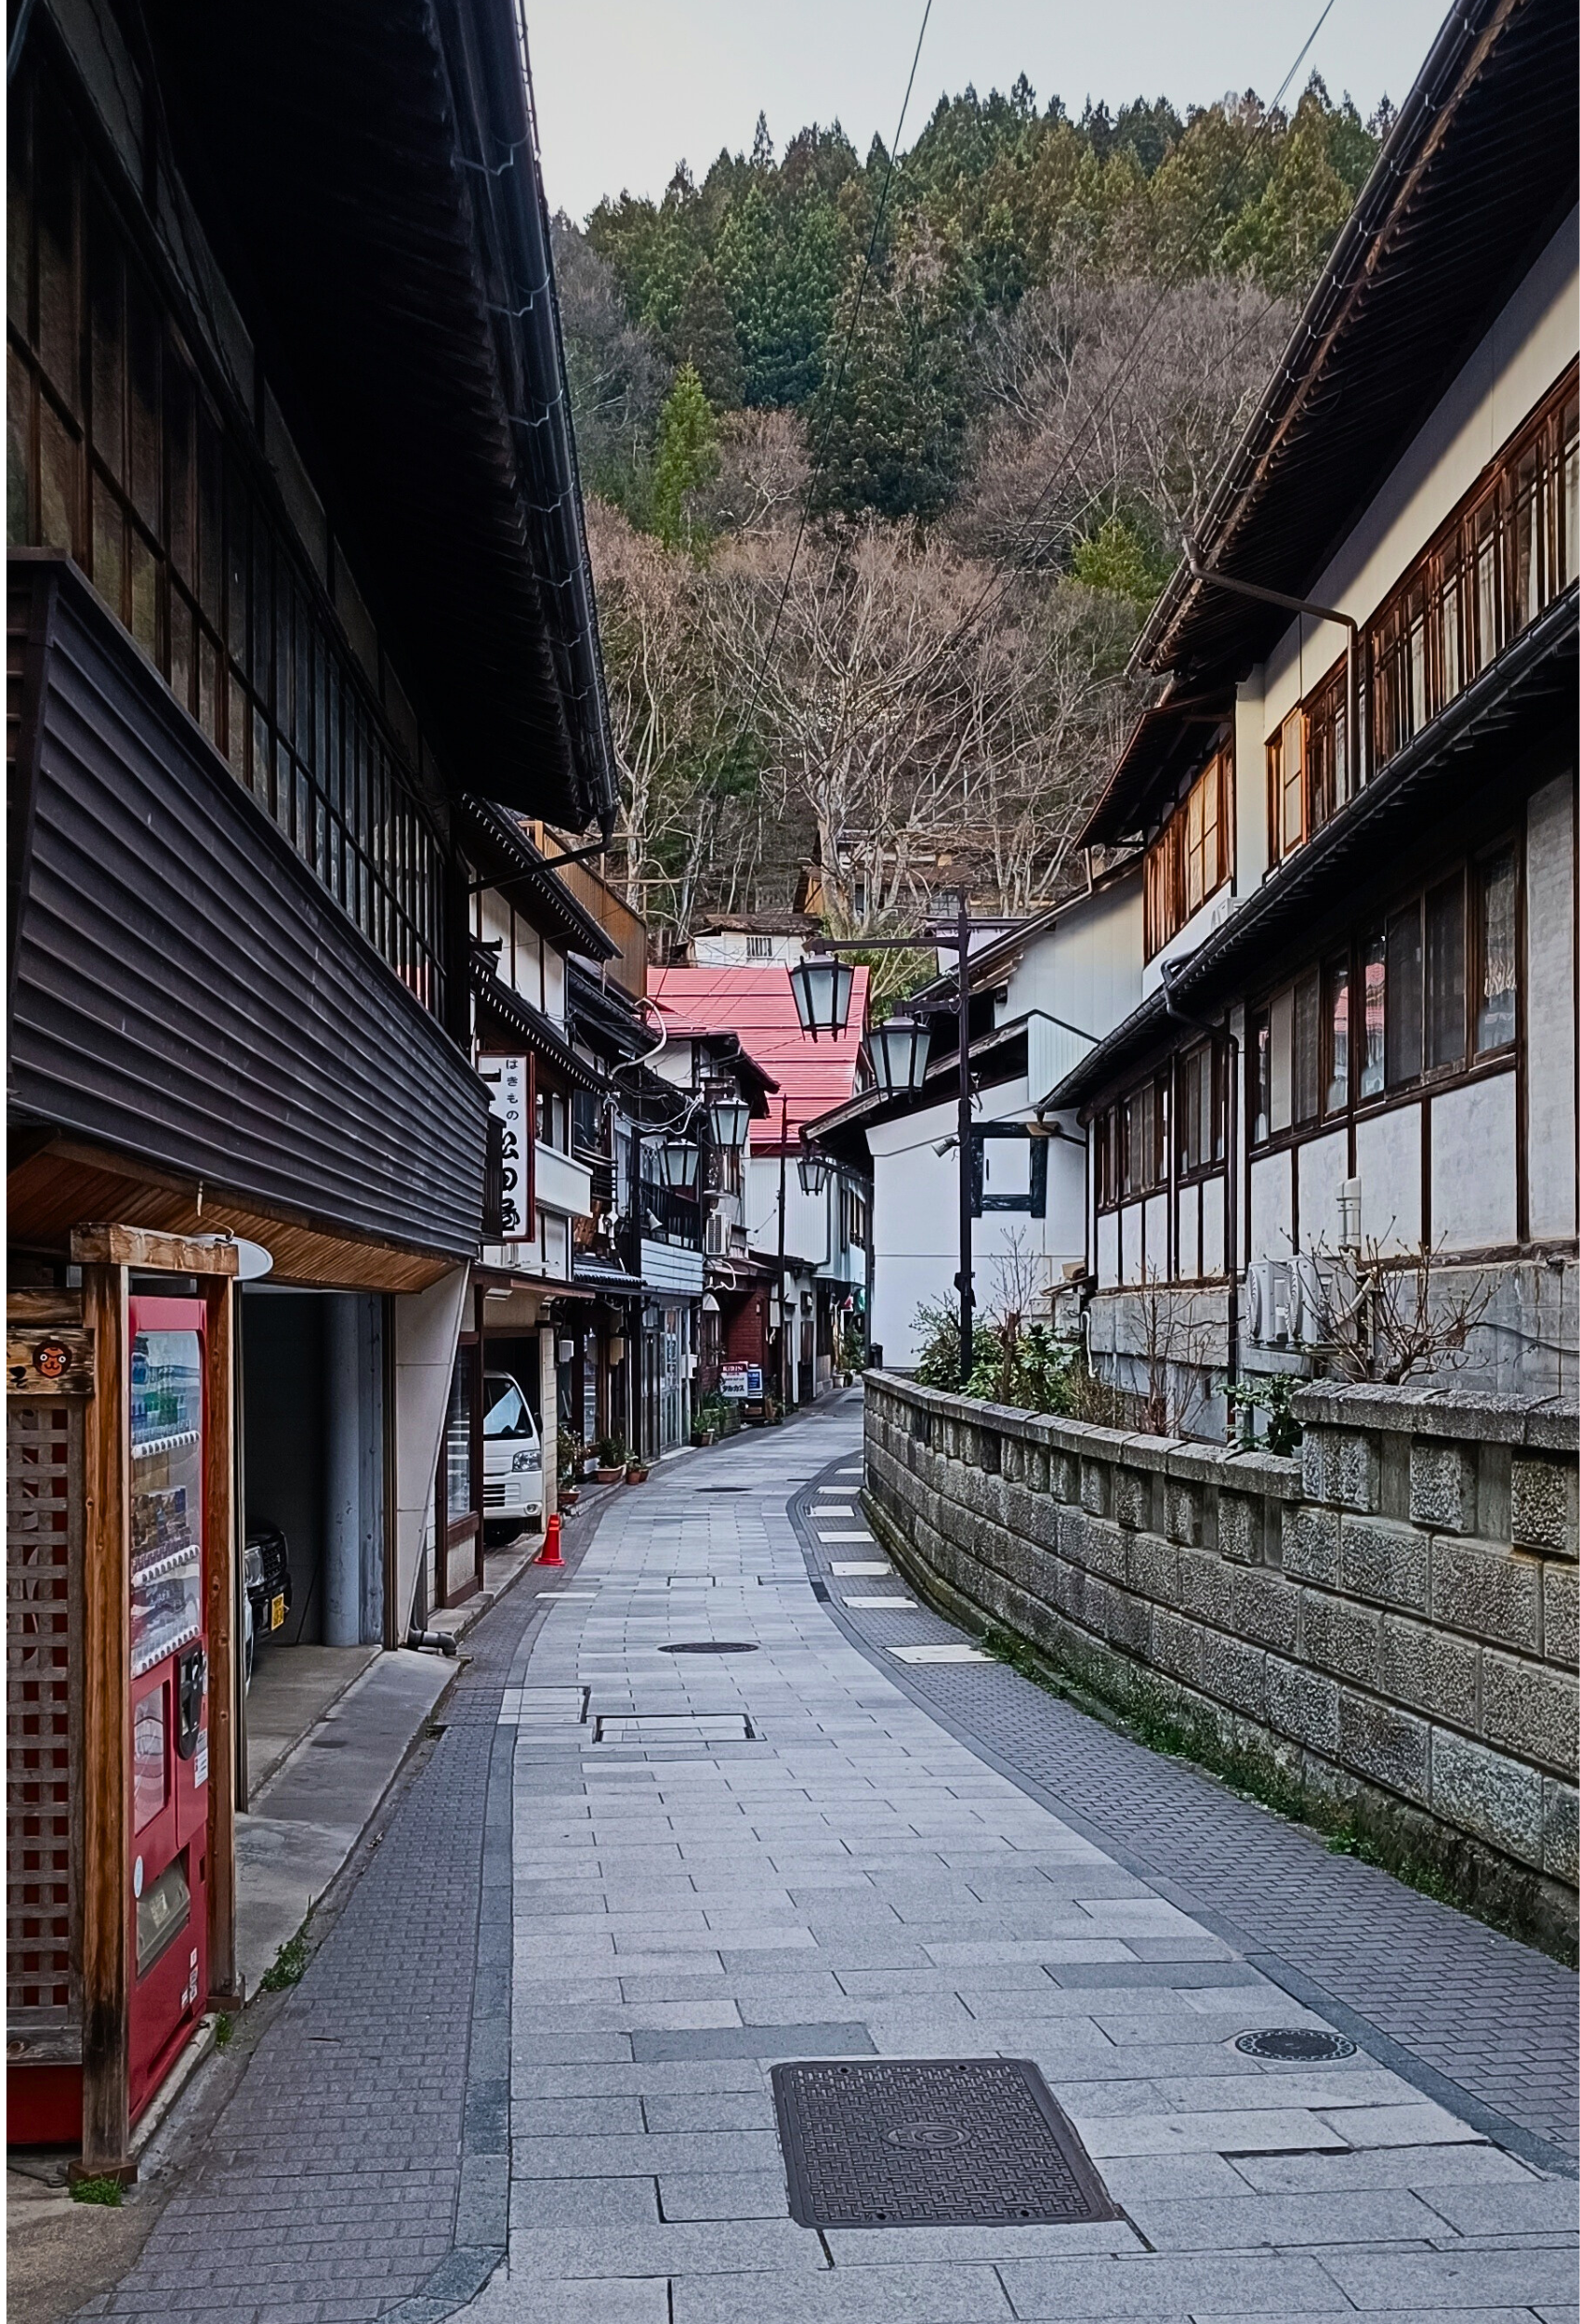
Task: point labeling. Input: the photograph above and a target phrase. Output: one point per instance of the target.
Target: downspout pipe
(1231, 1160)
(1209, 576)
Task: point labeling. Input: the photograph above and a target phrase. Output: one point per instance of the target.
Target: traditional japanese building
(296, 567)
(1344, 1109)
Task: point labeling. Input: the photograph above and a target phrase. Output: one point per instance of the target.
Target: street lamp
(729, 1120)
(813, 1168)
(897, 1053)
(821, 983)
(679, 1164)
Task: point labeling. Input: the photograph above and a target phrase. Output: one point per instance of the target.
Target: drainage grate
(725, 1489)
(930, 2142)
(1304, 2044)
(710, 1646)
(677, 1726)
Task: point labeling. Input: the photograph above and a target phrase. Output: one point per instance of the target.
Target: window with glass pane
(1445, 974)
(1261, 1077)
(1495, 952)
(1308, 1047)
(1403, 1024)
(1374, 989)
(141, 482)
(1335, 1016)
(458, 1443)
(1292, 782)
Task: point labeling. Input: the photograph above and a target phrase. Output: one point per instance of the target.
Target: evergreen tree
(704, 337)
(687, 457)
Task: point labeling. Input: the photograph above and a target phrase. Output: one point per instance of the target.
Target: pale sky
(626, 89)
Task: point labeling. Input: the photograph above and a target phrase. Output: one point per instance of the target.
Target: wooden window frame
(1472, 567)
(281, 698)
(1425, 1078)
(1168, 901)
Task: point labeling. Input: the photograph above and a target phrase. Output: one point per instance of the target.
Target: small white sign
(507, 1080)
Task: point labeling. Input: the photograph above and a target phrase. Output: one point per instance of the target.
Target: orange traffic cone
(550, 1554)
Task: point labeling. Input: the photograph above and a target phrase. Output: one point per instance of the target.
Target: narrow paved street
(722, 1859)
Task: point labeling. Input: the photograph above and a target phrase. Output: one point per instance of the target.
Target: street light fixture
(679, 1164)
(897, 1053)
(729, 1120)
(813, 1168)
(821, 983)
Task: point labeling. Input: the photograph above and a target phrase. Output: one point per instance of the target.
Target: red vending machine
(166, 1894)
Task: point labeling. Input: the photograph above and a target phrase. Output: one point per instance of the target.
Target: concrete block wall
(1390, 1616)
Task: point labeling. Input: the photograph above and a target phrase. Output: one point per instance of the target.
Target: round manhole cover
(1302, 2044)
(927, 2137)
(711, 1647)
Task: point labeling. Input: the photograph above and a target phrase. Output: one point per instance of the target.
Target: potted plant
(611, 1460)
(636, 1472)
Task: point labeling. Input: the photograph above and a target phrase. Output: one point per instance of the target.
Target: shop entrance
(312, 1444)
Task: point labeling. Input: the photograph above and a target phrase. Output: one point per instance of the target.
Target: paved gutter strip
(1347, 1941)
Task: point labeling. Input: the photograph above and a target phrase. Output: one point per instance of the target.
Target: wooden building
(296, 564)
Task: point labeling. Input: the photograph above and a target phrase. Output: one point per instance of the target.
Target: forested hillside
(971, 420)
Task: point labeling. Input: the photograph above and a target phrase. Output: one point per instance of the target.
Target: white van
(512, 1458)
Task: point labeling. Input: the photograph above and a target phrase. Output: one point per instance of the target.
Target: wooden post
(219, 1541)
(106, 1942)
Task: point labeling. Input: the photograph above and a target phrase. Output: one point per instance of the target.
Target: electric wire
(839, 377)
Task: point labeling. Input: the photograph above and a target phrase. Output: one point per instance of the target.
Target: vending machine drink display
(168, 1871)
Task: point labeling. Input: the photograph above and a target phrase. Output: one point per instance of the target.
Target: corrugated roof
(759, 1007)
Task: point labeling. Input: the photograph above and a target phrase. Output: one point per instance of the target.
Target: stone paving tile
(723, 2194)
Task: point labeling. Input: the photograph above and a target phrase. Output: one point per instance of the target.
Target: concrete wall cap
(1432, 1409)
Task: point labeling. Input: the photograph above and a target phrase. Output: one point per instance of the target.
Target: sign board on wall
(741, 1383)
(509, 1097)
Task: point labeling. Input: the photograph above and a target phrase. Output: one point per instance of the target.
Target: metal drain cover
(711, 1647)
(1298, 2044)
(931, 2143)
(724, 1488)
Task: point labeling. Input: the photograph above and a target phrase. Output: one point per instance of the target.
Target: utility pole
(783, 1326)
(963, 1130)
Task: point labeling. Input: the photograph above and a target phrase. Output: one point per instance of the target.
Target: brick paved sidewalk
(857, 1876)
(343, 2174)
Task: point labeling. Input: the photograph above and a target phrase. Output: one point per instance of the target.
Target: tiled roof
(759, 1007)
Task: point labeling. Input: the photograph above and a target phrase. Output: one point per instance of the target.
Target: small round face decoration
(51, 1359)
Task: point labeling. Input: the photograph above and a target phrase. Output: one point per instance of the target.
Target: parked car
(512, 1459)
(266, 1570)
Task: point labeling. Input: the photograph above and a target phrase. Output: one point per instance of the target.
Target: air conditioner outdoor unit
(1269, 1303)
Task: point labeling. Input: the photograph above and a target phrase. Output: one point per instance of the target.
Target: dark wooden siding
(183, 989)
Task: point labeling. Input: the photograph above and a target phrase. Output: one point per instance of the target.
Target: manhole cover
(927, 2143)
(710, 1646)
(1302, 2042)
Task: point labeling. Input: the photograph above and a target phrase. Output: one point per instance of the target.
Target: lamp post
(897, 1051)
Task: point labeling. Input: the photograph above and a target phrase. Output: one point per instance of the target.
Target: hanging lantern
(677, 1165)
(730, 1120)
(896, 1053)
(812, 1168)
(821, 985)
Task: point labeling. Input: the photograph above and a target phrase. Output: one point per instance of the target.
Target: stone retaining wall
(1389, 1617)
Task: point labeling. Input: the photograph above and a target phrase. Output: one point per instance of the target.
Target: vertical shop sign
(510, 1096)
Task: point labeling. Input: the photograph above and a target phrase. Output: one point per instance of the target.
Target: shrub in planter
(636, 1473)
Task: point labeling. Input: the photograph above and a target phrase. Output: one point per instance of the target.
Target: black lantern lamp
(821, 984)
(896, 1053)
(729, 1120)
(813, 1168)
(678, 1165)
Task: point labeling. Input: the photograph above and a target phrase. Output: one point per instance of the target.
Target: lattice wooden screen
(43, 1547)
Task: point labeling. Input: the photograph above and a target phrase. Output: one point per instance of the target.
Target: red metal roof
(759, 1007)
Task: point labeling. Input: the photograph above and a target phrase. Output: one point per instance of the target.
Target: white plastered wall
(1550, 1010)
(428, 1328)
